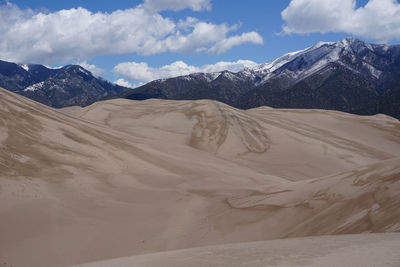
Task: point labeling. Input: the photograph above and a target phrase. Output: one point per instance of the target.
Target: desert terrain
(122, 178)
(367, 250)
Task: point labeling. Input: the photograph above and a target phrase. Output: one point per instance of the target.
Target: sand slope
(293, 144)
(345, 251)
(122, 178)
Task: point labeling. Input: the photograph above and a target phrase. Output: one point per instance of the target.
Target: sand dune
(329, 251)
(122, 178)
(362, 200)
(293, 144)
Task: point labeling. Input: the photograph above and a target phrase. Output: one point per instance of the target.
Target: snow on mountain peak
(84, 71)
(34, 87)
(288, 57)
(320, 44)
(303, 63)
(272, 66)
(214, 75)
(353, 44)
(348, 41)
(24, 66)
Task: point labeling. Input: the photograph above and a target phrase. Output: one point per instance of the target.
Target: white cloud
(158, 5)
(144, 73)
(226, 44)
(77, 34)
(378, 20)
(123, 82)
(92, 68)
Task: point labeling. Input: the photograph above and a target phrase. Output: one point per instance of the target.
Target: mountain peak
(356, 45)
(348, 75)
(304, 63)
(348, 41)
(320, 44)
(56, 87)
(351, 39)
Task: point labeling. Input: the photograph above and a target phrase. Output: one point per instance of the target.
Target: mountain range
(350, 75)
(121, 182)
(66, 86)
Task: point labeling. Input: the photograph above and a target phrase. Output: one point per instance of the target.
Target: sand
(122, 178)
(292, 144)
(329, 251)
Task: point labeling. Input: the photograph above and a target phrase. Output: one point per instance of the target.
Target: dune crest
(122, 178)
(292, 144)
(346, 251)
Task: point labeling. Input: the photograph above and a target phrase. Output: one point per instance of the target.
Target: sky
(131, 42)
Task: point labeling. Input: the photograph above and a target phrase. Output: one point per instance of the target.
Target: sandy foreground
(367, 250)
(121, 178)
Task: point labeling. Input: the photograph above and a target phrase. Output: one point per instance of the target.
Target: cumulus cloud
(78, 34)
(226, 44)
(378, 20)
(92, 68)
(142, 72)
(176, 5)
(125, 83)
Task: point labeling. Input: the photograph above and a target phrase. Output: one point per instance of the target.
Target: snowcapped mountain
(351, 53)
(60, 87)
(349, 75)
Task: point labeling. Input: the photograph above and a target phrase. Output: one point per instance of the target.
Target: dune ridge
(345, 250)
(122, 178)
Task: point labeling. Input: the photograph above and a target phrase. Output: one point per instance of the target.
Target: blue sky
(250, 30)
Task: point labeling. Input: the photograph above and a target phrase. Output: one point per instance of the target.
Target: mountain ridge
(59, 87)
(349, 75)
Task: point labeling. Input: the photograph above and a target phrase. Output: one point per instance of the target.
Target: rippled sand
(122, 178)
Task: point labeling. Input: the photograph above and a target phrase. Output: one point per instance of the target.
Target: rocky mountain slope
(121, 178)
(67, 86)
(349, 75)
